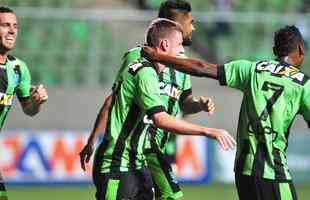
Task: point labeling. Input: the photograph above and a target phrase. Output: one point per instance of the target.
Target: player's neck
(3, 57)
(291, 60)
(159, 67)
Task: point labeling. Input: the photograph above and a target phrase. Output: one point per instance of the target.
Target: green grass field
(196, 192)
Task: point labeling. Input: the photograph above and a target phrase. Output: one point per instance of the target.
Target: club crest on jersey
(16, 78)
(280, 70)
(147, 120)
(6, 100)
(134, 67)
(170, 90)
(16, 75)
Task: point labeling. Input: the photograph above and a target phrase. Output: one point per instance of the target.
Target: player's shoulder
(141, 66)
(282, 69)
(306, 87)
(241, 63)
(307, 81)
(16, 61)
(133, 53)
(181, 75)
(303, 79)
(135, 50)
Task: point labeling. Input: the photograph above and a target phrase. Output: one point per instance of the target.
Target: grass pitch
(191, 192)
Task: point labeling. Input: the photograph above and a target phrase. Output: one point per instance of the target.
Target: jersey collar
(285, 64)
(144, 56)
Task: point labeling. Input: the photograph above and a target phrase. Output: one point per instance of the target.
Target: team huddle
(153, 86)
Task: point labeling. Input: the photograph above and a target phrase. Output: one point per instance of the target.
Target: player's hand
(149, 52)
(86, 154)
(225, 140)
(206, 104)
(38, 94)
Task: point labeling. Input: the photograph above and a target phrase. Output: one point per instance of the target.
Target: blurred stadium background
(74, 48)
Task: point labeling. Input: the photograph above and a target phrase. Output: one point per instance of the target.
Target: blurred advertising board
(51, 157)
(41, 156)
(297, 155)
(194, 157)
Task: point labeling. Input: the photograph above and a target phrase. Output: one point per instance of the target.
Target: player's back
(274, 93)
(277, 91)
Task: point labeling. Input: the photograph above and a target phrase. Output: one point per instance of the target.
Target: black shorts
(253, 188)
(134, 185)
(2, 188)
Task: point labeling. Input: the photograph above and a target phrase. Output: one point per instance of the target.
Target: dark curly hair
(4, 9)
(169, 8)
(286, 40)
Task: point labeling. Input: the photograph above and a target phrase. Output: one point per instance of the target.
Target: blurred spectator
(149, 4)
(304, 24)
(224, 8)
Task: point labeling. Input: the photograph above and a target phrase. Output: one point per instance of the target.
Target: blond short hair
(159, 29)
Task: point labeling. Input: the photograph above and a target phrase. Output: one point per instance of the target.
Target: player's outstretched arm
(32, 104)
(190, 66)
(99, 126)
(164, 121)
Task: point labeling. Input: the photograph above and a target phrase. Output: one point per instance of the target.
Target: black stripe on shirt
(259, 160)
(119, 146)
(168, 172)
(152, 130)
(240, 162)
(99, 156)
(164, 139)
(171, 104)
(156, 109)
(278, 166)
(185, 94)
(221, 75)
(3, 80)
(134, 142)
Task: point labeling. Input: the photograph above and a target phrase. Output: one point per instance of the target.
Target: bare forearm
(98, 126)
(178, 126)
(101, 120)
(194, 67)
(164, 121)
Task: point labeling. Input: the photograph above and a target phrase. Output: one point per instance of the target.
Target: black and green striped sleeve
(23, 89)
(148, 94)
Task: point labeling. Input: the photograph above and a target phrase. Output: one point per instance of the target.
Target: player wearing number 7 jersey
(274, 93)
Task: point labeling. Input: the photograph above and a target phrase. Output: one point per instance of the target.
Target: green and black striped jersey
(14, 79)
(274, 93)
(135, 97)
(174, 87)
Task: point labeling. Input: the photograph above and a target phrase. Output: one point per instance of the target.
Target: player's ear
(301, 49)
(164, 45)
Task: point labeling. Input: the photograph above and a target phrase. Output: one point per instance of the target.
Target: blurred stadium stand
(76, 51)
(71, 49)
